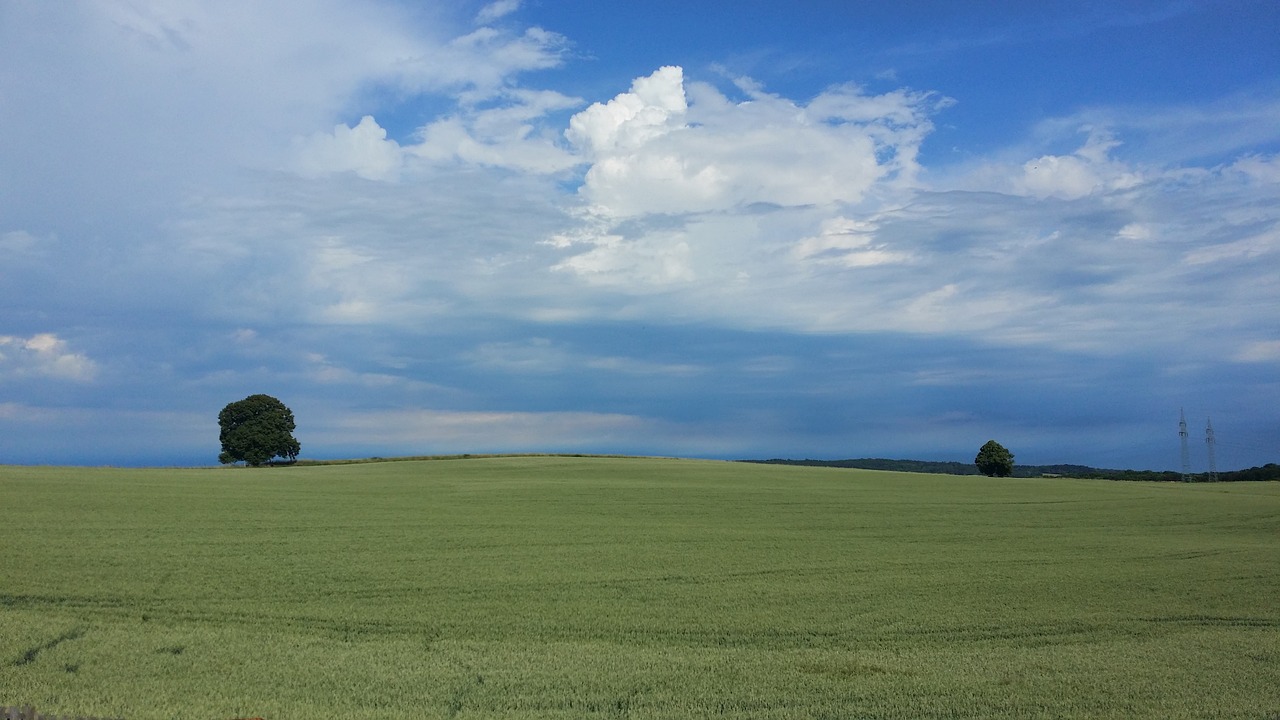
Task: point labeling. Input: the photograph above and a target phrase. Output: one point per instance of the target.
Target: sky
(724, 230)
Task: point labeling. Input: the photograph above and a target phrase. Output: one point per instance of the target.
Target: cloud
(43, 355)
(178, 99)
(1259, 168)
(661, 149)
(1246, 249)
(363, 149)
(483, 62)
(542, 356)
(1104, 261)
(432, 430)
(1262, 351)
(735, 207)
(323, 371)
(1069, 177)
(42, 433)
(455, 230)
(686, 185)
(18, 242)
(1135, 232)
(237, 77)
(655, 259)
(653, 107)
(847, 242)
(509, 135)
(1225, 130)
(497, 10)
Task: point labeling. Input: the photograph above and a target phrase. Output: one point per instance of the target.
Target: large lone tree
(255, 430)
(994, 460)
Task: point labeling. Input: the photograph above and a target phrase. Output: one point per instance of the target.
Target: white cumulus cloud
(1088, 170)
(703, 169)
(363, 150)
(46, 355)
(655, 105)
(665, 148)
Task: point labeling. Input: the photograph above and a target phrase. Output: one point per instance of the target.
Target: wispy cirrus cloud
(1260, 351)
(497, 10)
(512, 134)
(436, 430)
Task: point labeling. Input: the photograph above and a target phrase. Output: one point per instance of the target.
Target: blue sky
(732, 230)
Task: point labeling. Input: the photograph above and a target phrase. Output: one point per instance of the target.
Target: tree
(255, 430)
(994, 460)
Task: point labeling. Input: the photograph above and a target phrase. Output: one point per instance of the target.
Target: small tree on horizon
(994, 460)
(255, 430)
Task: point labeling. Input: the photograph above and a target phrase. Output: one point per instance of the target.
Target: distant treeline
(1270, 471)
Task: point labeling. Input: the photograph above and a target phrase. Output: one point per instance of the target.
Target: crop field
(558, 587)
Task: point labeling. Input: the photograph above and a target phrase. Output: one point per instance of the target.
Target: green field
(633, 588)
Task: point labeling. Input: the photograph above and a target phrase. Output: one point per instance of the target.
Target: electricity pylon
(1213, 460)
(1186, 453)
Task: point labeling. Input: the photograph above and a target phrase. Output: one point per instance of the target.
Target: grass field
(633, 588)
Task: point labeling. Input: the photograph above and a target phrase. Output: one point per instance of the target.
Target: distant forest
(1270, 471)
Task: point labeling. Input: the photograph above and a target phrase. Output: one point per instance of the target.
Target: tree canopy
(994, 460)
(255, 430)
